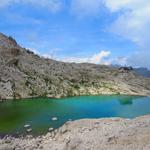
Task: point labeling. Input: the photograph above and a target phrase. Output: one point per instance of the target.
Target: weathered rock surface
(88, 134)
(24, 74)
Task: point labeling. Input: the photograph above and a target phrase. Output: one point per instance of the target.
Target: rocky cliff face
(24, 74)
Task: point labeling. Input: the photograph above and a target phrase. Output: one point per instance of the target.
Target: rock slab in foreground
(88, 134)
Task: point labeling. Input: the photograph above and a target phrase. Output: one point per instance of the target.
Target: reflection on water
(125, 100)
(39, 112)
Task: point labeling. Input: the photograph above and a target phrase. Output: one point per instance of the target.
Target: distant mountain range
(24, 74)
(145, 72)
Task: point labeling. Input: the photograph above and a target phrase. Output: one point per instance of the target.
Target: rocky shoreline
(56, 97)
(89, 134)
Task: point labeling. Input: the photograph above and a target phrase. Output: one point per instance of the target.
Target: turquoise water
(39, 112)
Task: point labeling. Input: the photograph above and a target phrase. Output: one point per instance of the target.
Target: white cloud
(100, 58)
(133, 23)
(52, 5)
(140, 59)
(85, 7)
(73, 59)
(96, 58)
(119, 61)
(115, 5)
(51, 54)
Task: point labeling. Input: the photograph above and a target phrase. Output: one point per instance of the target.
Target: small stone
(29, 136)
(64, 129)
(8, 141)
(40, 147)
(29, 130)
(17, 148)
(27, 126)
(55, 131)
(54, 118)
(50, 129)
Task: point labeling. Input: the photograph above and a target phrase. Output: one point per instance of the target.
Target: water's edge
(85, 130)
(58, 98)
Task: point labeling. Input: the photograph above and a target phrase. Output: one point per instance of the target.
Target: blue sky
(95, 31)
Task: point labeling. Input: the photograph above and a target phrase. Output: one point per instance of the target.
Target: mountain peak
(7, 41)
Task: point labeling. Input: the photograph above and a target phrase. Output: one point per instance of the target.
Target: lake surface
(40, 111)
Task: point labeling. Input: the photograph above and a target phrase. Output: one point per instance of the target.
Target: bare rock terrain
(24, 74)
(89, 134)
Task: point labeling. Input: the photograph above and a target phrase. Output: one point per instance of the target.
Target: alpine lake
(37, 116)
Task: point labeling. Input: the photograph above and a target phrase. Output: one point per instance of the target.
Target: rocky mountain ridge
(24, 74)
(143, 71)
